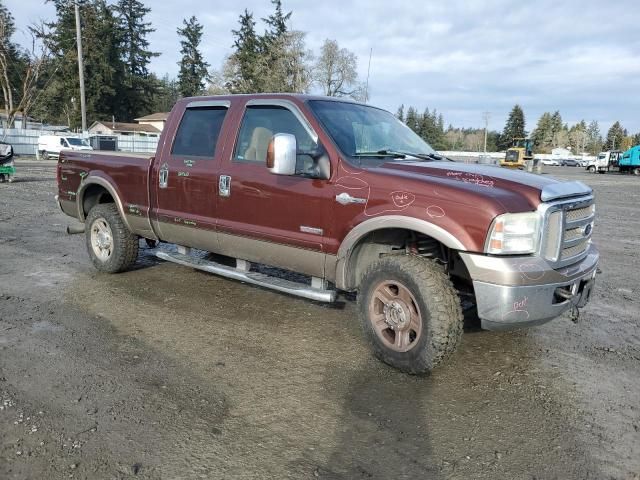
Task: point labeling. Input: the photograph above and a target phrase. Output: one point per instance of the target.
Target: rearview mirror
(281, 154)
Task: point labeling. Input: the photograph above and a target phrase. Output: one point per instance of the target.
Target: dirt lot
(166, 372)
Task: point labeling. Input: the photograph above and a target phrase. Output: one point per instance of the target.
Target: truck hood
(492, 181)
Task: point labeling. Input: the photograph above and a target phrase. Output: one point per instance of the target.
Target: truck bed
(127, 174)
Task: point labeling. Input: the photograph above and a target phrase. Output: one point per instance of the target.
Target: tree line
(550, 132)
(42, 81)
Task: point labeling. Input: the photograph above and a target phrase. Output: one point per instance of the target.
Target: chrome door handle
(224, 186)
(344, 199)
(163, 176)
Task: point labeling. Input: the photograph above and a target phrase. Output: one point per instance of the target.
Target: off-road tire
(438, 305)
(125, 243)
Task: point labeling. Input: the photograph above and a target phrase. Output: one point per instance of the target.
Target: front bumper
(514, 292)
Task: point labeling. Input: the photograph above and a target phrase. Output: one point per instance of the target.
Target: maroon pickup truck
(349, 199)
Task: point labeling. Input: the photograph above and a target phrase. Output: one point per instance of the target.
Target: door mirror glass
(281, 154)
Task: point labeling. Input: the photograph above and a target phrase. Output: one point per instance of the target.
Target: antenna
(366, 88)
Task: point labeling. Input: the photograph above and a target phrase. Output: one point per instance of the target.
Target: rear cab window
(198, 132)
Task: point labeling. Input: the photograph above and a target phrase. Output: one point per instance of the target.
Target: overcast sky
(462, 57)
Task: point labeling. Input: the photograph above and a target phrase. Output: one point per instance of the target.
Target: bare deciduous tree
(31, 65)
(336, 71)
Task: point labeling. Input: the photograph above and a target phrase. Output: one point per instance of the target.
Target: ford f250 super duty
(350, 199)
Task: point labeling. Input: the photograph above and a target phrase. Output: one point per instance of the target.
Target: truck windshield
(77, 142)
(368, 133)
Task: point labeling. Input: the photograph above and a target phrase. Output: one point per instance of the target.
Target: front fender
(386, 222)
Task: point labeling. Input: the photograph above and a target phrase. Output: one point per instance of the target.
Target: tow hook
(75, 229)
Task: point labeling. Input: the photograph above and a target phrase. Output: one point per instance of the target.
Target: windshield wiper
(381, 153)
(428, 156)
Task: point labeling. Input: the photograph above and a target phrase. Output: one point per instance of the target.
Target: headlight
(514, 233)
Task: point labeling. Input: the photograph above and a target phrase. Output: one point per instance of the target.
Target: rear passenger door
(185, 177)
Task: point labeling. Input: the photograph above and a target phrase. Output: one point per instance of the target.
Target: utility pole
(486, 116)
(83, 105)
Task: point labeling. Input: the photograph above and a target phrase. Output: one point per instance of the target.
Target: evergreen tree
(276, 61)
(615, 137)
(165, 94)
(412, 119)
(542, 135)
(193, 68)
(277, 23)
(635, 140)
(514, 127)
(400, 113)
(138, 83)
(245, 61)
(594, 138)
(104, 69)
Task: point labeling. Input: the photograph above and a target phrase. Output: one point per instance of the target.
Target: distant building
(122, 128)
(19, 122)
(156, 120)
(561, 152)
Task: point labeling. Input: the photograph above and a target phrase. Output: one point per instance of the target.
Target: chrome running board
(254, 278)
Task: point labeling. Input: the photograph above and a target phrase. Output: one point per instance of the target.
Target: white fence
(25, 142)
(500, 155)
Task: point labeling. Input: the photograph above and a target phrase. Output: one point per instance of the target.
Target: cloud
(460, 57)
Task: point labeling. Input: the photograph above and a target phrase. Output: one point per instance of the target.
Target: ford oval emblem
(587, 230)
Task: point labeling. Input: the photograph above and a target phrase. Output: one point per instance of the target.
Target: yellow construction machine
(520, 151)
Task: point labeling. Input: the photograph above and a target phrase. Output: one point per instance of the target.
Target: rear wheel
(45, 155)
(410, 313)
(111, 246)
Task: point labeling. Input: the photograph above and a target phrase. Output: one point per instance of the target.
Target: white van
(49, 146)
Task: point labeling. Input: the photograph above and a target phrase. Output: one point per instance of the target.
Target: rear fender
(96, 180)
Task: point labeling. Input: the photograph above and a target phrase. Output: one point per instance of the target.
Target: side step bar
(254, 278)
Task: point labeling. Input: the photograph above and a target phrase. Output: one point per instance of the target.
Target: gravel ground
(167, 372)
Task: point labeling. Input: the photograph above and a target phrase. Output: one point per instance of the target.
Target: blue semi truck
(630, 161)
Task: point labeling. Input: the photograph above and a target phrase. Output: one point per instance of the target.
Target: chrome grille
(575, 232)
(578, 214)
(570, 252)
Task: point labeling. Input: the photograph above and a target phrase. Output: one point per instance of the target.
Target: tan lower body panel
(308, 262)
(188, 236)
(140, 226)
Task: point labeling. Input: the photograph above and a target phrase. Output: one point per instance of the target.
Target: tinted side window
(259, 124)
(198, 132)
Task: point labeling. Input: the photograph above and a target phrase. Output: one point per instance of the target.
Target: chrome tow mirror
(281, 154)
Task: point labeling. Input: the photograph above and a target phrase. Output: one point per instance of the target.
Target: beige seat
(258, 145)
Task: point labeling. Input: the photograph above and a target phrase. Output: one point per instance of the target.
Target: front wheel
(410, 313)
(592, 169)
(636, 171)
(111, 246)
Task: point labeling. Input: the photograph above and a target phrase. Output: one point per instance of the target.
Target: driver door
(273, 219)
